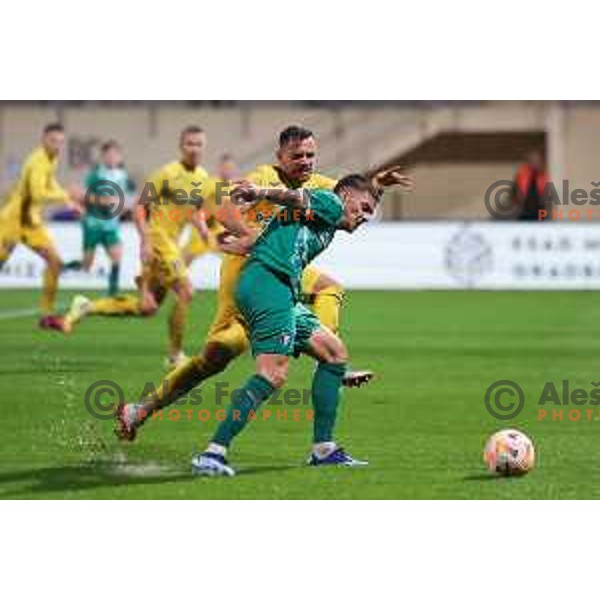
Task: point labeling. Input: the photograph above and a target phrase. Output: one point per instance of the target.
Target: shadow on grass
(75, 478)
(266, 469)
(85, 477)
(482, 477)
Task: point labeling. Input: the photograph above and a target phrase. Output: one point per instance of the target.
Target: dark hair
(189, 130)
(357, 182)
(294, 134)
(51, 127)
(226, 157)
(109, 145)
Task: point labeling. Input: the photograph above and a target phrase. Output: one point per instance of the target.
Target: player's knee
(54, 264)
(277, 377)
(275, 372)
(217, 357)
(116, 255)
(148, 305)
(338, 353)
(185, 293)
(327, 347)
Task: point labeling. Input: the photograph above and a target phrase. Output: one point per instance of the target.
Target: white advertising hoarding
(24, 269)
(468, 255)
(410, 255)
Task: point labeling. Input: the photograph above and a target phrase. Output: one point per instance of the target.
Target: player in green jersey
(280, 326)
(107, 184)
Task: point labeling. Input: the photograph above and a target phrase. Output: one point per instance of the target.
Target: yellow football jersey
(35, 188)
(196, 245)
(178, 188)
(227, 327)
(269, 176)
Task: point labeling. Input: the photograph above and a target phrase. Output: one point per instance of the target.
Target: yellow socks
(174, 386)
(128, 304)
(177, 322)
(49, 291)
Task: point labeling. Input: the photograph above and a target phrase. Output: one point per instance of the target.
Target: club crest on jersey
(285, 339)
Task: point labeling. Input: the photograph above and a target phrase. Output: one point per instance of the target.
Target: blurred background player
(227, 336)
(21, 219)
(106, 184)
(197, 246)
(227, 169)
(167, 204)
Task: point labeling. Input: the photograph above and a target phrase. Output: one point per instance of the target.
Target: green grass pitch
(422, 424)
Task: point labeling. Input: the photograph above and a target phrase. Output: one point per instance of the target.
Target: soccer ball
(509, 452)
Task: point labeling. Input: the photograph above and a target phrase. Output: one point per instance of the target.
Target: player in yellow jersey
(197, 246)
(21, 218)
(176, 195)
(227, 337)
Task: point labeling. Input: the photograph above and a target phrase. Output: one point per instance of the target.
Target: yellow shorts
(166, 268)
(310, 276)
(37, 238)
(228, 327)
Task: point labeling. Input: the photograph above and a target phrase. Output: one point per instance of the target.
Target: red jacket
(524, 179)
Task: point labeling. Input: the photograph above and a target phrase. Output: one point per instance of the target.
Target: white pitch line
(16, 314)
(20, 313)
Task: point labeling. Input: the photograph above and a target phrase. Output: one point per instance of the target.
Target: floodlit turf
(422, 423)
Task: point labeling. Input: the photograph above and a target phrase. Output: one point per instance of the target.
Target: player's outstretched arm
(246, 192)
(390, 176)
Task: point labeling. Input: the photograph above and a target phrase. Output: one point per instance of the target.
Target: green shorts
(278, 324)
(93, 236)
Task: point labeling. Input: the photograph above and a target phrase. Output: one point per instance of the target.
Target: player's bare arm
(248, 192)
(390, 176)
(198, 220)
(141, 224)
(76, 198)
(238, 237)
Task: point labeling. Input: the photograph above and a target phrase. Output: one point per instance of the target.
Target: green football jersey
(294, 238)
(96, 216)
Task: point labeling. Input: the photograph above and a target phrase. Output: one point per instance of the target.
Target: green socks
(113, 279)
(247, 400)
(326, 385)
